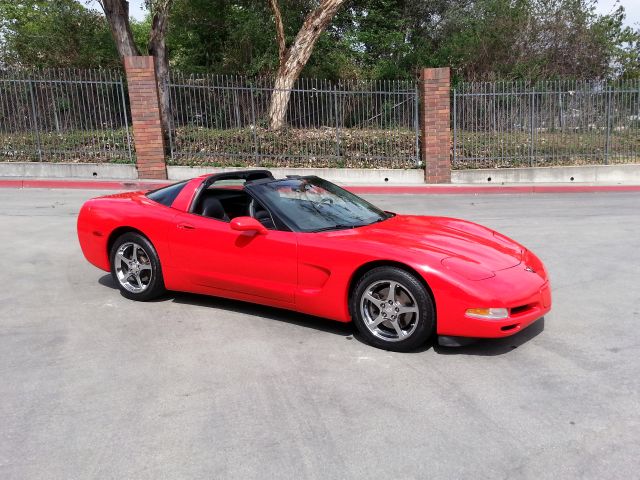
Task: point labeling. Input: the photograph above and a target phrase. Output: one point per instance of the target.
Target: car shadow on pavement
(479, 347)
(263, 311)
(107, 281)
(246, 308)
(487, 347)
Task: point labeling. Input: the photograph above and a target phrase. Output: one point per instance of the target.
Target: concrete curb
(370, 189)
(346, 176)
(82, 184)
(494, 189)
(602, 174)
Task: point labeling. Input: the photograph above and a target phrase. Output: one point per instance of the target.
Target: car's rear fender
(92, 236)
(102, 220)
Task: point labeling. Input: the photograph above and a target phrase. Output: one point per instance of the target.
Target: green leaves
(61, 33)
(382, 39)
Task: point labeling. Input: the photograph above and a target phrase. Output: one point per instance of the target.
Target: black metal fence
(521, 124)
(64, 115)
(83, 116)
(223, 121)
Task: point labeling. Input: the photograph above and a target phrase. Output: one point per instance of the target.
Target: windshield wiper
(344, 226)
(339, 226)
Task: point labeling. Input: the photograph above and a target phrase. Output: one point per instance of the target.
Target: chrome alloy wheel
(389, 310)
(133, 267)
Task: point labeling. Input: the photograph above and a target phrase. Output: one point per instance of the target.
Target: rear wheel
(392, 309)
(135, 267)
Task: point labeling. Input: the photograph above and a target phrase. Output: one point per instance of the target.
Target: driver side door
(209, 257)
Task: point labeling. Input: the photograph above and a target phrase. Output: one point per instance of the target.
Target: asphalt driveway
(95, 386)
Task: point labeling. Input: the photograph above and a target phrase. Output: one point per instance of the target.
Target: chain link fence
(64, 115)
(222, 120)
(521, 124)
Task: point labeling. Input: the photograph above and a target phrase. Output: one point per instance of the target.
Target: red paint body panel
(463, 264)
(207, 256)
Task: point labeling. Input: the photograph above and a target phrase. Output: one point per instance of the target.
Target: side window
(257, 211)
(221, 203)
(166, 195)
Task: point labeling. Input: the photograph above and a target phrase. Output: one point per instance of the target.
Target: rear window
(166, 195)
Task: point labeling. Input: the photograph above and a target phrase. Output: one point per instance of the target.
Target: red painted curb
(467, 189)
(406, 189)
(82, 184)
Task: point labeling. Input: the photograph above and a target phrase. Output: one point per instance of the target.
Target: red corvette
(305, 244)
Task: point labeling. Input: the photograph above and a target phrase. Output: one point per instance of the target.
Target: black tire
(406, 331)
(148, 269)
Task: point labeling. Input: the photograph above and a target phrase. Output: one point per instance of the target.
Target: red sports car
(305, 244)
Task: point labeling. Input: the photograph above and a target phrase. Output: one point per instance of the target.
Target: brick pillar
(435, 147)
(145, 116)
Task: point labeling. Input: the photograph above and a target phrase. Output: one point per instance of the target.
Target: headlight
(488, 313)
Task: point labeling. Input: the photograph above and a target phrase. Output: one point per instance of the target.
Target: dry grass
(493, 150)
(347, 148)
(358, 148)
(76, 146)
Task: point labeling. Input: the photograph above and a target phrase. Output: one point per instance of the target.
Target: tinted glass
(166, 195)
(311, 204)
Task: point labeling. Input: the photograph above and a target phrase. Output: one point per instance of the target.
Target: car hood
(446, 237)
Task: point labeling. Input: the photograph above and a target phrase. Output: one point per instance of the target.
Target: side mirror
(248, 224)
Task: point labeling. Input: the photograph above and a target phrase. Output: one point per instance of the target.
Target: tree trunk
(297, 56)
(117, 13)
(280, 100)
(280, 36)
(158, 50)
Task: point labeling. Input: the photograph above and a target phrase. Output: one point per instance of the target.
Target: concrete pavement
(95, 386)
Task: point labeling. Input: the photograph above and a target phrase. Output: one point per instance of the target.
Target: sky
(632, 8)
(136, 10)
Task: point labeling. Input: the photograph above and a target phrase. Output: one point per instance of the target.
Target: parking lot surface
(95, 386)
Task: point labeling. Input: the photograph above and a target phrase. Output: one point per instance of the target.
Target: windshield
(310, 204)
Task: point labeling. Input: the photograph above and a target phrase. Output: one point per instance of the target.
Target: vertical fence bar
(608, 127)
(108, 76)
(126, 118)
(335, 103)
(171, 128)
(34, 123)
(455, 128)
(416, 124)
(254, 125)
(532, 104)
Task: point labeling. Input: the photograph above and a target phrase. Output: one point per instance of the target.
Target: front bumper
(527, 296)
(535, 309)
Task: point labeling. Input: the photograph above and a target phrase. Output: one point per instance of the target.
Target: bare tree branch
(297, 56)
(160, 11)
(282, 41)
(117, 13)
(158, 50)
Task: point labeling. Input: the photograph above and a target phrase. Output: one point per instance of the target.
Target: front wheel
(392, 309)
(135, 267)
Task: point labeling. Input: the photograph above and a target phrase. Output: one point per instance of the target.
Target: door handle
(186, 226)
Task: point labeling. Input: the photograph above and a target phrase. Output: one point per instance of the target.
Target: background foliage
(377, 39)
